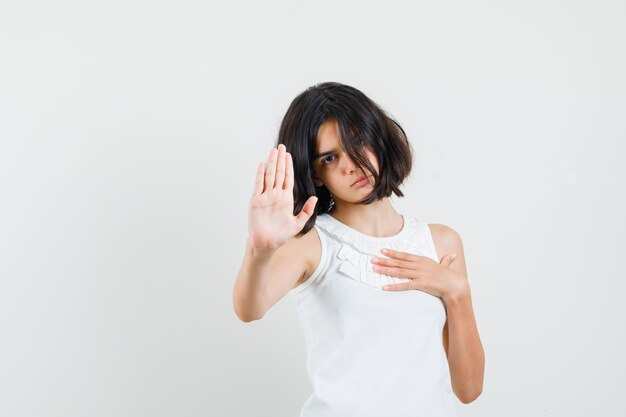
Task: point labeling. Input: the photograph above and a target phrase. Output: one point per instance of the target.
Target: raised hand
(271, 222)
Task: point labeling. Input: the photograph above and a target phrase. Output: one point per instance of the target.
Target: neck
(378, 219)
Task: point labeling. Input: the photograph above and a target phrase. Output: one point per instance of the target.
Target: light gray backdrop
(130, 136)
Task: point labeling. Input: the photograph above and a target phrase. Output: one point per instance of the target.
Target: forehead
(328, 136)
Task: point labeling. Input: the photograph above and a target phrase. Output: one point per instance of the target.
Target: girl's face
(334, 168)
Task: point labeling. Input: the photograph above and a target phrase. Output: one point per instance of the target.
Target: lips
(359, 179)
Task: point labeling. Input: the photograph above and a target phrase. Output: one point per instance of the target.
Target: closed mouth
(360, 179)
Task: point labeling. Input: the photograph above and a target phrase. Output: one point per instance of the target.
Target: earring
(332, 202)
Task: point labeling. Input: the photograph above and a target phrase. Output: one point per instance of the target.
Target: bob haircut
(360, 121)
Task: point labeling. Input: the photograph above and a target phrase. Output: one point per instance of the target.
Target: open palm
(270, 219)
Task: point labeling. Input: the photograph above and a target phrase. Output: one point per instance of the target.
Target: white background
(130, 135)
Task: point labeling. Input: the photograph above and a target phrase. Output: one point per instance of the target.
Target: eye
(325, 160)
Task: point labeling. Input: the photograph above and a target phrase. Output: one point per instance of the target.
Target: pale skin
(290, 261)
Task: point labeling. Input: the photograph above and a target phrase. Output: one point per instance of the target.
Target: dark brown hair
(359, 119)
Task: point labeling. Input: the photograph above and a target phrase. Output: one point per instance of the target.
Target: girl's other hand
(271, 222)
(425, 274)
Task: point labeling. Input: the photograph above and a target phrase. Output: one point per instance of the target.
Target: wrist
(459, 295)
(260, 251)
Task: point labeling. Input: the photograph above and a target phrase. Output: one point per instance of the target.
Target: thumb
(448, 259)
(307, 211)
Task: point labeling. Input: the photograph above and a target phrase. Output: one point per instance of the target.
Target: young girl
(389, 325)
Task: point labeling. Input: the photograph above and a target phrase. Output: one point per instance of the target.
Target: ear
(316, 180)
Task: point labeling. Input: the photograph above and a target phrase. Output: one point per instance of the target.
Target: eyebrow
(319, 155)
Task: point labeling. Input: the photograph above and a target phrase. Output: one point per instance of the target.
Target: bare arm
(250, 289)
(265, 277)
(466, 357)
(272, 263)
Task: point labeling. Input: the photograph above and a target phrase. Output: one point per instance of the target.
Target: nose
(348, 164)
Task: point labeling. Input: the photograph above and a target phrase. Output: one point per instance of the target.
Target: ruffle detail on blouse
(356, 253)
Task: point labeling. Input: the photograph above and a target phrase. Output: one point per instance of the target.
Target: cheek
(373, 159)
(332, 183)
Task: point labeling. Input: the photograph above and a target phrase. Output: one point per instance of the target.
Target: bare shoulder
(444, 234)
(446, 239)
(309, 246)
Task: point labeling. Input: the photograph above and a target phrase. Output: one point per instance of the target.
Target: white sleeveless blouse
(371, 352)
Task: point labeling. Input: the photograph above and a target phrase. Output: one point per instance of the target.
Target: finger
(394, 262)
(400, 287)
(395, 272)
(288, 172)
(397, 254)
(307, 211)
(448, 259)
(271, 169)
(400, 255)
(258, 182)
(280, 167)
